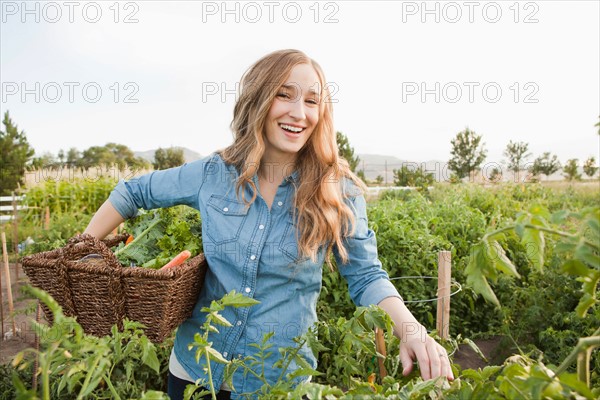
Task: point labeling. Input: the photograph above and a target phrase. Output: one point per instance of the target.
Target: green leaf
(17, 383)
(572, 381)
(559, 217)
(233, 299)
(575, 267)
(219, 319)
(496, 254)
(190, 390)
(587, 255)
(540, 214)
(590, 283)
(154, 395)
(475, 348)
(519, 229)
(476, 277)
(533, 240)
(594, 224)
(216, 356)
(149, 356)
(303, 372)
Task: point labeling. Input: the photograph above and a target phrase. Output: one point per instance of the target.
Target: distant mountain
(188, 155)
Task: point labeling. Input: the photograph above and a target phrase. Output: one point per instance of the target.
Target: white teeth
(291, 128)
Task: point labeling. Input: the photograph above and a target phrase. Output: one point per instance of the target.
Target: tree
(467, 153)
(111, 154)
(571, 170)
(61, 156)
(517, 154)
(496, 175)
(346, 151)
(414, 177)
(168, 158)
(46, 160)
(545, 164)
(379, 180)
(589, 167)
(73, 156)
(15, 152)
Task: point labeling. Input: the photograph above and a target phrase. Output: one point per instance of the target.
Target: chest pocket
(289, 241)
(225, 219)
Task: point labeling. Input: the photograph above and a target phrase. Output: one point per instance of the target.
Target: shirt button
(238, 323)
(261, 226)
(225, 354)
(253, 257)
(225, 209)
(280, 203)
(247, 290)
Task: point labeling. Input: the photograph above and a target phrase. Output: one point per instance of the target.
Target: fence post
(15, 236)
(443, 294)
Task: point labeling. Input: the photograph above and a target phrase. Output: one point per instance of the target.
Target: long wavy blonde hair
(323, 216)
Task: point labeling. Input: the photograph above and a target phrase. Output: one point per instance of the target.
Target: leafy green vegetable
(159, 235)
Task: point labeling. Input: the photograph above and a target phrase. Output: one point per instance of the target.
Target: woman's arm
(158, 189)
(106, 219)
(415, 343)
(369, 284)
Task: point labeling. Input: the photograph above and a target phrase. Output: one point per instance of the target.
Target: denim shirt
(254, 251)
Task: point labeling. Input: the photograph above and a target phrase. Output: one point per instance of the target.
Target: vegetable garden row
(526, 256)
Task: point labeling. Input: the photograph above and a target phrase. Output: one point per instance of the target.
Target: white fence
(9, 205)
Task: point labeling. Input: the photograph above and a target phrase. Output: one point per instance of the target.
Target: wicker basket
(101, 292)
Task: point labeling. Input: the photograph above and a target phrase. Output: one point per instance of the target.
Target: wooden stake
(47, 218)
(15, 236)
(8, 285)
(380, 347)
(443, 294)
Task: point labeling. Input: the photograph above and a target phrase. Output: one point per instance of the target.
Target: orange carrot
(178, 259)
(129, 240)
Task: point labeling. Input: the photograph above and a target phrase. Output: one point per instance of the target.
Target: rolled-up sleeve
(165, 188)
(368, 282)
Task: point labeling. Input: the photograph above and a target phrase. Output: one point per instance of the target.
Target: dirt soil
(24, 307)
(495, 349)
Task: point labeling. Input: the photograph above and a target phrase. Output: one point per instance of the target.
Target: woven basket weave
(101, 292)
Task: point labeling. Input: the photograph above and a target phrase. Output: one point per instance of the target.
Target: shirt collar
(292, 177)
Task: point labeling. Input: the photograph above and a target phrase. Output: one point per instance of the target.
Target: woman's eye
(284, 95)
(311, 101)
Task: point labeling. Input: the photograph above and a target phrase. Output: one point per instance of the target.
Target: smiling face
(293, 115)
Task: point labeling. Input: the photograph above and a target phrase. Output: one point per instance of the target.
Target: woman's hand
(431, 356)
(415, 343)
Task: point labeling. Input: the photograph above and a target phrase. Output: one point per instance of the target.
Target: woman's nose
(297, 108)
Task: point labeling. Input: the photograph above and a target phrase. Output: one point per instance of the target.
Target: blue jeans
(177, 386)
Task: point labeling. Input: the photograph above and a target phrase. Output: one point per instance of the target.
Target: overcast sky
(406, 76)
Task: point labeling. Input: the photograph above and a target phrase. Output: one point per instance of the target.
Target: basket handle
(85, 244)
(80, 246)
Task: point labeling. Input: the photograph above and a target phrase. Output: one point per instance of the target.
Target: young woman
(275, 205)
